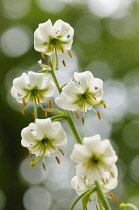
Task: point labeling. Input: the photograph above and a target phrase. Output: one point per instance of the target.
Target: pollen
(57, 159)
(103, 181)
(22, 110)
(24, 102)
(104, 104)
(44, 166)
(64, 63)
(99, 115)
(42, 55)
(77, 115)
(94, 97)
(83, 120)
(62, 48)
(61, 151)
(45, 112)
(33, 115)
(113, 198)
(70, 54)
(50, 64)
(112, 174)
(50, 104)
(30, 154)
(38, 98)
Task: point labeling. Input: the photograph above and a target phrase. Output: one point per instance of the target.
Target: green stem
(73, 128)
(102, 196)
(69, 118)
(55, 111)
(58, 117)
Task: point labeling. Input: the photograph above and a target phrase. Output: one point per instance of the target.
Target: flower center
(45, 141)
(95, 160)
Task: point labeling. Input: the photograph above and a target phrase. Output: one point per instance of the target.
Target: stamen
(24, 102)
(96, 206)
(104, 104)
(84, 164)
(79, 103)
(77, 115)
(52, 47)
(94, 97)
(70, 53)
(30, 154)
(103, 181)
(22, 110)
(57, 159)
(112, 174)
(50, 104)
(50, 64)
(61, 151)
(38, 98)
(83, 120)
(45, 112)
(44, 166)
(113, 198)
(98, 114)
(43, 56)
(89, 200)
(62, 49)
(33, 115)
(85, 177)
(86, 208)
(64, 63)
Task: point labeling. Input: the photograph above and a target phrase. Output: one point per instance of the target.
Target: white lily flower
(50, 38)
(81, 95)
(94, 157)
(33, 85)
(109, 182)
(43, 137)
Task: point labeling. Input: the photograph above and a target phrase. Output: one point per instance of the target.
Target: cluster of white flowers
(95, 158)
(96, 162)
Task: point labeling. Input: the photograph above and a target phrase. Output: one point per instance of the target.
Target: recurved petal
(35, 80)
(92, 142)
(80, 154)
(21, 83)
(27, 137)
(63, 29)
(86, 80)
(44, 128)
(46, 30)
(40, 43)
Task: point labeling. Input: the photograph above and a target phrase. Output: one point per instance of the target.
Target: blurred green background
(106, 42)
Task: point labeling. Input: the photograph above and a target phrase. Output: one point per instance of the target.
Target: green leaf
(86, 199)
(82, 195)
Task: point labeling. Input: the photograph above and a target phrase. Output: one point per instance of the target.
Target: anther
(30, 154)
(57, 159)
(83, 120)
(22, 110)
(104, 104)
(113, 198)
(64, 63)
(33, 115)
(24, 102)
(46, 145)
(103, 181)
(94, 97)
(38, 98)
(98, 114)
(62, 49)
(70, 53)
(84, 164)
(96, 206)
(45, 112)
(44, 166)
(84, 177)
(112, 174)
(77, 115)
(50, 64)
(89, 200)
(61, 151)
(43, 56)
(50, 104)
(52, 47)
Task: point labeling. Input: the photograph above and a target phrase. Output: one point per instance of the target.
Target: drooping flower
(50, 38)
(82, 94)
(43, 137)
(94, 157)
(109, 181)
(32, 86)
